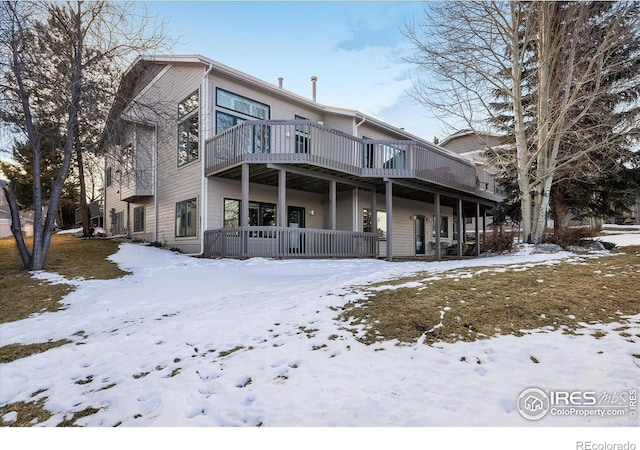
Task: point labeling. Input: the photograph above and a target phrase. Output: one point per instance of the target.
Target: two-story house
(216, 162)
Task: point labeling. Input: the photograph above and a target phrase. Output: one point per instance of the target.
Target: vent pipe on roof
(280, 80)
(314, 79)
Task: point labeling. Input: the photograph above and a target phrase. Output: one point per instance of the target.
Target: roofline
(272, 88)
(467, 132)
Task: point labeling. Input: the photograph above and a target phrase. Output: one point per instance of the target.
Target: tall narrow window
(108, 177)
(444, 227)
(303, 133)
(138, 219)
(231, 213)
(186, 218)
(368, 153)
(188, 129)
(117, 223)
(366, 220)
(381, 222)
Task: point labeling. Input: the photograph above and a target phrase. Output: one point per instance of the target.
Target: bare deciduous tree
(531, 54)
(62, 61)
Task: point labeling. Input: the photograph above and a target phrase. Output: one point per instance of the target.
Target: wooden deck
(301, 142)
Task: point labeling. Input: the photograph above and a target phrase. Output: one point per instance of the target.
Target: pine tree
(595, 152)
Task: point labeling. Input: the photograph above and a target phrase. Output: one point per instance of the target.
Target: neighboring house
(26, 219)
(96, 215)
(473, 145)
(216, 162)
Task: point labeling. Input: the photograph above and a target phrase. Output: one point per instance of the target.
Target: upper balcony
(136, 185)
(314, 145)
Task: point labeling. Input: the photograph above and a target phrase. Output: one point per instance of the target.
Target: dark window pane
(188, 140)
(138, 219)
(186, 218)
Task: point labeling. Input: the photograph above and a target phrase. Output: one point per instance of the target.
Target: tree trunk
(561, 215)
(83, 189)
(517, 61)
(542, 174)
(596, 223)
(16, 226)
(72, 129)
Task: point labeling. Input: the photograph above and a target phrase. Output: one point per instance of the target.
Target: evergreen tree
(20, 174)
(54, 65)
(562, 77)
(604, 126)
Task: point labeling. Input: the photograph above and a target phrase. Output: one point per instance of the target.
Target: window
(117, 223)
(127, 153)
(188, 105)
(243, 105)
(381, 225)
(303, 143)
(138, 219)
(108, 177)
(255, 139)
(231, 213)
(186, 215)
(394, 158)
(225, 121)
(444, 227)
(366, 220)
(368, 153)
(260, 214)
(455, 230)
(188, 129)
(375, 154)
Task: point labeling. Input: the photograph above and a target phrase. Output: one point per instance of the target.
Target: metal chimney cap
(314, 78)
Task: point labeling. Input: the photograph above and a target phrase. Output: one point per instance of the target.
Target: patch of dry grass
(21, 295)
(28, 413)
(34, 413)
(12, 352)
(479, 303)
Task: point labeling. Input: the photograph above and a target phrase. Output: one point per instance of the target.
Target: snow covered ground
(187, 342)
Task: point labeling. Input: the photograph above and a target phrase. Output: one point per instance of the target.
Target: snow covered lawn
(196, 342)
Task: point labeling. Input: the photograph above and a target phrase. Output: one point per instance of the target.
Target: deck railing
(303, 141)
(284, 242)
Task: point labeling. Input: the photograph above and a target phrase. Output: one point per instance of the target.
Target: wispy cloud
(363, 37)
(355, 48)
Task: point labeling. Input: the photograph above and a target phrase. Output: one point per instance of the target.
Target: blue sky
(354, 48)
